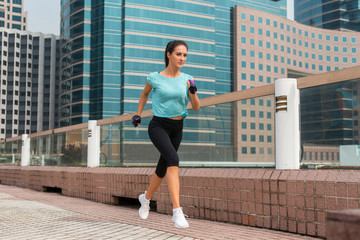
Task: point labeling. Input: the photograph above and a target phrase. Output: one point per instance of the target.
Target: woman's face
(178, 56)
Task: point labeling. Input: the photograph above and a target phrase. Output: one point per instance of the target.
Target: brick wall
(288, 200)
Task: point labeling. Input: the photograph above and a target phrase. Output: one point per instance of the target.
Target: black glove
(192, 87)
(136, 120)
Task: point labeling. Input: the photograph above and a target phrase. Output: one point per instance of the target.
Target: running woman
(172, 91)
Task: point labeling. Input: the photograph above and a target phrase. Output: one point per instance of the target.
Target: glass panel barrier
(330, 125)
(61, 149)
(226, 135)
(10, 153)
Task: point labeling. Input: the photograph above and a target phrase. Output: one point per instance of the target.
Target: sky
(43, 16)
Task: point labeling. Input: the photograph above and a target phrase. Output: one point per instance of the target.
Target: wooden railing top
(329, 77)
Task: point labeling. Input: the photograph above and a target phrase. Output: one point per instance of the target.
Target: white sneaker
(145, 206)
(179, 218)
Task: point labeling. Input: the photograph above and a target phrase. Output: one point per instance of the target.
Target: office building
(269, 47)
(12, 15)
(335, 15)
(29, 82)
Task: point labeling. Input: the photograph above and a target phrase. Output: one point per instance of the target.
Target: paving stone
(28, 214)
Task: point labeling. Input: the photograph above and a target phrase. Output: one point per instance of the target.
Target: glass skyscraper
(335, 15)
(110, 46)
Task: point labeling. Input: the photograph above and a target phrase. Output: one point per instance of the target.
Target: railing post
(93, 152)
(287, 124)
(25, 150)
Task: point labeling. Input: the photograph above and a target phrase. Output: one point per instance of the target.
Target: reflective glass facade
(336, 15)
(122, 42)
(109, 47)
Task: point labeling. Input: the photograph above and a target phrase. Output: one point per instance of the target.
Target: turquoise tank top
(170, 95)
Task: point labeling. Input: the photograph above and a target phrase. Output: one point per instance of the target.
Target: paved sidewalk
(28, 214)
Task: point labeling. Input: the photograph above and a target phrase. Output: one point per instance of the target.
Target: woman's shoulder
(153, 75)
(187, 76)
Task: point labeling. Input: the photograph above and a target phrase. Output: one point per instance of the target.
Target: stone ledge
(343, 224)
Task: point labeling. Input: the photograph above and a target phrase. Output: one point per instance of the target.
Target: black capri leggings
(166, 135)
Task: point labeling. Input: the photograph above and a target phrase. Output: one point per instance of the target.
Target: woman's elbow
(196, 107)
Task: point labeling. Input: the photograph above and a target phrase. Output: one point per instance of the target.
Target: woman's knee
(160, 172)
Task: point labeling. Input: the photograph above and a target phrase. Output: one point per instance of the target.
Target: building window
(243, 76)
(252, 126)
(344, 39)
(244, 150)
(244, 137)
(244, 125)
(269, 139)
(261, 126)
(252, 53)
(252, 113)
(253, 150)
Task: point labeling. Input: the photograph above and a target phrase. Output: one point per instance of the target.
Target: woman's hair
(170, 47)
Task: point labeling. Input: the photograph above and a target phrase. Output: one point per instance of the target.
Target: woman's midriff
(177, 118)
